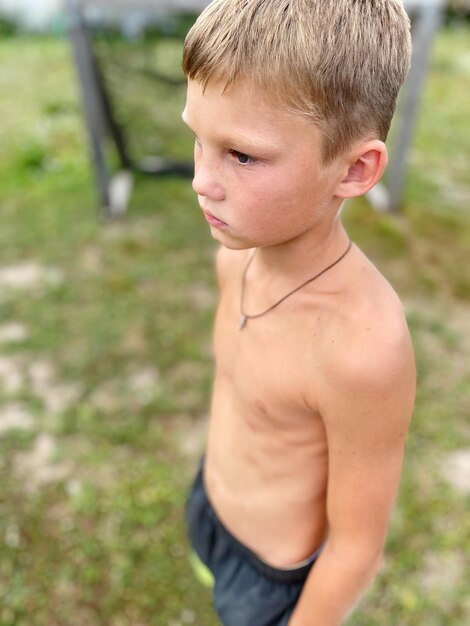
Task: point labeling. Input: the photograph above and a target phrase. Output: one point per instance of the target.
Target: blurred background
(105, 330)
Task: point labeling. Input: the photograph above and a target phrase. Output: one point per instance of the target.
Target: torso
(266, 468)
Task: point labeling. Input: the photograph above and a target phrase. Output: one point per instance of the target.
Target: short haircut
(339, 62)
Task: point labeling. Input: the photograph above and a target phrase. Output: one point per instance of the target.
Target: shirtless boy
(290, 102)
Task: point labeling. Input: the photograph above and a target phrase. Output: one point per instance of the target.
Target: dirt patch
(15, 416)
(186, 617)
(37, 466)
(11, 374)
(144, 383)
(56, 397)
(107, 397)
(189, 434)
(139, 388)
(442, 573)
(91, 260)
(12, 333)
(28, 275)
(456, 470)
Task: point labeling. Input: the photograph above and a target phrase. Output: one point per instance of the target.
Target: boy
(290, 102)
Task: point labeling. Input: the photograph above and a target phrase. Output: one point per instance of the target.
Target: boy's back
(314, 379)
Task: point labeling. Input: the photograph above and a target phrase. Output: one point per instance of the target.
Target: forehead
(240, 93)
(243, 108)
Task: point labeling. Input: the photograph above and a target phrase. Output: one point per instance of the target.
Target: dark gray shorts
(247, 591)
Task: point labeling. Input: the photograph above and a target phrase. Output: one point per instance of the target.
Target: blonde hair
(340, 62)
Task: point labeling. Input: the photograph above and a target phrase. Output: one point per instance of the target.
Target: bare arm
(366, 411)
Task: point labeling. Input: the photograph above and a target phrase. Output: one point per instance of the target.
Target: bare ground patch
(15, 416)
(38, 466)
(29, 275)
(12, 333)
(456, 470)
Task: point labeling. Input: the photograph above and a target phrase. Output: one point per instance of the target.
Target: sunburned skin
(266, 463)
(266, 468)
(311, 401)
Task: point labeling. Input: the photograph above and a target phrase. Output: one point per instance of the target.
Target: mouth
(214, 221)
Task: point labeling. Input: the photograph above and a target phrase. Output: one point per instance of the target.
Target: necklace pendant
(242, 322)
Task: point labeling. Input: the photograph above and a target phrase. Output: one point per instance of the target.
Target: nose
(207, 181)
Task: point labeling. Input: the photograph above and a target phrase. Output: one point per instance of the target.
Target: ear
(366, 164)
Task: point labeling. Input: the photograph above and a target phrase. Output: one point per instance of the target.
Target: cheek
(283, 191)
(274, 196)
(297, 199)
(310, 187)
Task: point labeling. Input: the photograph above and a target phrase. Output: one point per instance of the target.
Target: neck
(302, 255)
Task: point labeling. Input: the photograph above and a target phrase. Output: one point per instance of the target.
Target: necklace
(244, 317)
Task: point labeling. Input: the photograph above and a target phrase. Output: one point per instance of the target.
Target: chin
(231, 242)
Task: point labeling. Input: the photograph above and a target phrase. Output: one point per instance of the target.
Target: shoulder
(367, 354)
(371, 343)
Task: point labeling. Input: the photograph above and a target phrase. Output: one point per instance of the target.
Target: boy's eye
(242, 158)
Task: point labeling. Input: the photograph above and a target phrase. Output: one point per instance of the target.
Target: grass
(114, 370)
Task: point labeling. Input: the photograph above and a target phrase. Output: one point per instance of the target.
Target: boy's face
(258, 171)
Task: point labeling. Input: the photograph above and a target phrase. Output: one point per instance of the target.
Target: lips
(214, 221)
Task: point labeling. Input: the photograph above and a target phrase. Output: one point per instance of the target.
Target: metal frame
(115, 189)
(426, 16)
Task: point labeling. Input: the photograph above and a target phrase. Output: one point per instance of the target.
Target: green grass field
(105, 361)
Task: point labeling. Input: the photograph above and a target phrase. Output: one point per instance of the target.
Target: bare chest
(267, 445)
(262, 368)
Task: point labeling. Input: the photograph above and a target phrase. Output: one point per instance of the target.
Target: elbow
(369, 563)
(364, 560)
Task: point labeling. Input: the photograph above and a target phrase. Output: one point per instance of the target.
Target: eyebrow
(238, 140)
